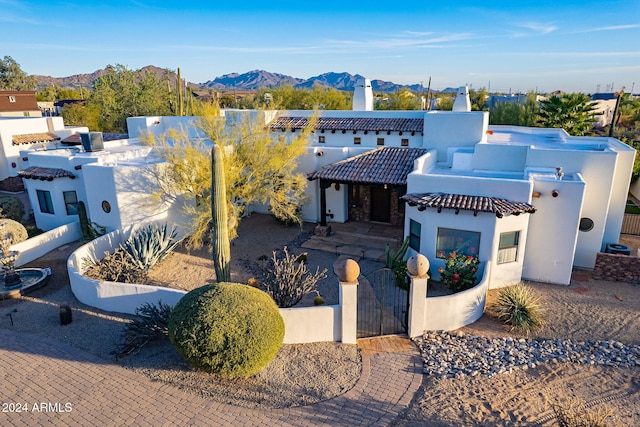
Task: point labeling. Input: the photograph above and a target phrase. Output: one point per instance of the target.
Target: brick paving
(54, 384)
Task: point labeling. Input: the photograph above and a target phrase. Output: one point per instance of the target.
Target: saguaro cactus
(220, 239)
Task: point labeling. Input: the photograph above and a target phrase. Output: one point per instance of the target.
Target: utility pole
(429, 94)
(615, 111)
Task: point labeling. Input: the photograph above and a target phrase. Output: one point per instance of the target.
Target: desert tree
(13, 78)
(258, 168)
(574, 112)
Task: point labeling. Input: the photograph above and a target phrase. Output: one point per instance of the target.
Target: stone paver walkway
(52, 383)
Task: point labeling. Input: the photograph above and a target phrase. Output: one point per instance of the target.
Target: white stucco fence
(447, 312)
(302, 325)
(37, 246)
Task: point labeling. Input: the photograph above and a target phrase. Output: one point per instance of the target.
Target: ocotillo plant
(220, 239)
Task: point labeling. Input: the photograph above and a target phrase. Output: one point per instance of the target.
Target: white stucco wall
(444, 129)
(553, 230)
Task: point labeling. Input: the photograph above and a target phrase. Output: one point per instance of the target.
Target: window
(356, 140)
(586, 224)
(449, 240)
(380, 141)
(415, 230)
(44, 200)
(321, 139)
(106, 206)
(71, 202)
(12, 99)
(404, 142)
(508, 247)
(356, 196)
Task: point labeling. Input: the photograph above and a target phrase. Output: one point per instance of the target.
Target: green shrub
(230, 329)
(459, 272)
(519, 307)
(395, 261)
(33, 231)
(150, 245)
(11, 207)
(115, 267)
(14, 230)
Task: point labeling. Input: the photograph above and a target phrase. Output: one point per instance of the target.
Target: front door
(380, 204)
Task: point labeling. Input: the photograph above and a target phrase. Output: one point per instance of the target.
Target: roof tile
(495, 205)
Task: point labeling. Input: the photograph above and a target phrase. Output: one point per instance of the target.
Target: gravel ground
(299, 375)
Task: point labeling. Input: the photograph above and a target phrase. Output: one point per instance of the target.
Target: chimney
(363, 95)
(462, 101)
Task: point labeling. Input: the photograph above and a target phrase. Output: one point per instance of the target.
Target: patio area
(358, 240)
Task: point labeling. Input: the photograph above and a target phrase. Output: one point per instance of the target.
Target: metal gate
(383, 306)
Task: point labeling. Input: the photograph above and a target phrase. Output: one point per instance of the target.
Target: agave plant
(150, 245)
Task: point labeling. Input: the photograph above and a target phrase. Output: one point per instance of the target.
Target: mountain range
(250, 80)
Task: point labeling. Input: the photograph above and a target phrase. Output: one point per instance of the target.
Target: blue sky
(575, 46)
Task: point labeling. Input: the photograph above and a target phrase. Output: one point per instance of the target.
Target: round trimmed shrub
(230, 329)
(16, 231)
(12, 207)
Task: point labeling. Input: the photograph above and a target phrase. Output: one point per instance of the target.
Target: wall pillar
(348, 271)
(417, 267)
(349, 312)
(417, 306)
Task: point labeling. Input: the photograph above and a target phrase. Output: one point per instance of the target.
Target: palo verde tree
(258, 168)
(13, 78)
(574, 112)
(121, 93)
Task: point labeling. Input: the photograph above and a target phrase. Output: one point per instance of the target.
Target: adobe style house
(530, 202)
(15, 103)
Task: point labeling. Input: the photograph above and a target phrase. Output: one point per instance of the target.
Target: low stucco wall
(617, 268)
(37, 246)
(302, 325)
(450, 312)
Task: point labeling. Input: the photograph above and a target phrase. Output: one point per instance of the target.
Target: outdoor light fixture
(536, 194)
(439, 209)
(337, 186)
(475, 213)
(320, 153)
(555, 193)
(422, 208)
(457, 211)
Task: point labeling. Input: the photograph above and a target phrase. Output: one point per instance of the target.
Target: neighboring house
(605, 104)
(26, 133)
(15, 103)
(531, 202)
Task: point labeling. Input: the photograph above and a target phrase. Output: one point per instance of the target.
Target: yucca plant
(150, 245)
(519, 307)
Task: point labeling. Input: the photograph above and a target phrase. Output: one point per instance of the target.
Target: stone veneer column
(348, 271)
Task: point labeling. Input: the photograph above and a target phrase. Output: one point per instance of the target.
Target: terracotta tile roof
(74, 139)
(30, 138)
(383, 165)
(355, 123)
(45, 174)
(495, 205)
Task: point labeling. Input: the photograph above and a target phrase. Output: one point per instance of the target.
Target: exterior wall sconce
(422, 208)
(385, 186)
(536, 194)
(333, 131)
(25, 159)
(499, 214)
(555, 193)
(400, 133)
(337, 186)
(388, 132)
(344, 131)
(77, 167)
(13, 164)
(322, 131)
(413, 133)
(439, 209)
(457, 211)
(355, 131)
(475, 213)
(366, 132)
(320, 153)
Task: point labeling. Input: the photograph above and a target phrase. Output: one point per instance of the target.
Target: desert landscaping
(587, 310)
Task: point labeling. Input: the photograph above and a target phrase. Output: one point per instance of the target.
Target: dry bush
(116, 267)
(573, 413)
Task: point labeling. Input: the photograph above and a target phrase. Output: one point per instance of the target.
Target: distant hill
(77, 81)
(250, 80)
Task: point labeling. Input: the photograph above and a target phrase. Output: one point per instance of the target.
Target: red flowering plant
(459, 272)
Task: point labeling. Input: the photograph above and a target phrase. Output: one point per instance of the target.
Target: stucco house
(14, 103)
(531, 202)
